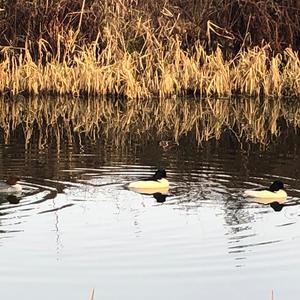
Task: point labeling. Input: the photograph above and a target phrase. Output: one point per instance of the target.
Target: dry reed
(92, 294)
(231, 23)
(140, 49)
(170, 71)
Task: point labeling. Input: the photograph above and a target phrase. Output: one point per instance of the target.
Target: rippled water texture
(76, 226)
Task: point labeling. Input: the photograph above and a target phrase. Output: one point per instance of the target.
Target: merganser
(11, 185)
(157, 181)
(275, 191)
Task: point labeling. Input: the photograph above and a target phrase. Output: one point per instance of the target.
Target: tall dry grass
(160, 70)
(230, 23)
(141, 49)
(48, 122)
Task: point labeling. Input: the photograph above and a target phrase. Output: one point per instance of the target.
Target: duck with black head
(10, 185)
(275, 191)
(157, 181)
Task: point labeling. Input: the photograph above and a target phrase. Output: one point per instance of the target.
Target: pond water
(77, 227)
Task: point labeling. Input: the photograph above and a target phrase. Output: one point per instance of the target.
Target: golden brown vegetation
(44, 122)
(230, 23)
(140, 49)
(166, 70)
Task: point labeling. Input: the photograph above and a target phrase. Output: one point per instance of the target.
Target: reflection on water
(57, 121)
(77, 226)
(12, 199)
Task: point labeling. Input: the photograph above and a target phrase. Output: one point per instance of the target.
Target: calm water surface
(77, 227)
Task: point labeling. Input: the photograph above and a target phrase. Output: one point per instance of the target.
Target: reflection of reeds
(92, 294)
(44, 121)
(161, 69)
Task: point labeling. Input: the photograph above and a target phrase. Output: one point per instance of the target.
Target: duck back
(150, 184)
(266, 194)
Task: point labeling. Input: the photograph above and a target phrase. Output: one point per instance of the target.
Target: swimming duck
(10, 185)
(275, 191)
(157, 181)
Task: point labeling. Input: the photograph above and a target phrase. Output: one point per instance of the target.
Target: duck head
(159, 174)
(12, 180)
(276, 186)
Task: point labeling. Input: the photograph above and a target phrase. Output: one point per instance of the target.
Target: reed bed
(51, 122)
(171, 71)
(140, 49)
(231, 23)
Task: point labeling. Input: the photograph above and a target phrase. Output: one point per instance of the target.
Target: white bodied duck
(275, 191)
(158, 181)
(10, 185)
